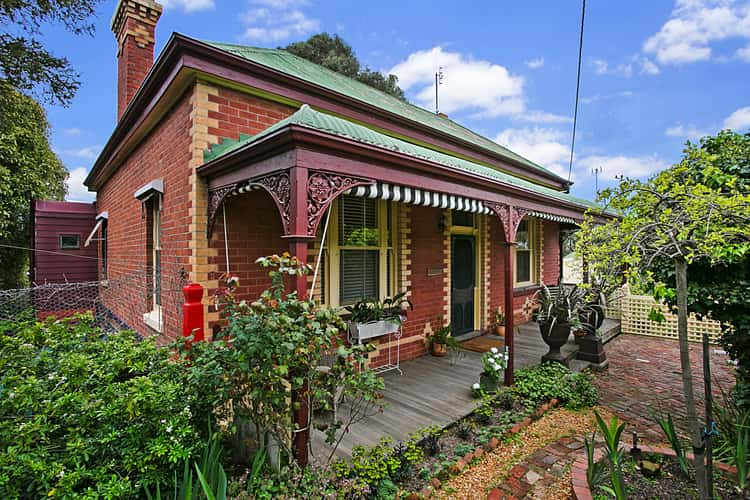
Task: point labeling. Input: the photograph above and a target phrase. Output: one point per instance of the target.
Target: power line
(578, 88)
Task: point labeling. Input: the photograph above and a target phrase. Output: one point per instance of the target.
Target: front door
(463, 274)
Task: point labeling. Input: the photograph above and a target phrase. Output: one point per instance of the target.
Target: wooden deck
(430, 391)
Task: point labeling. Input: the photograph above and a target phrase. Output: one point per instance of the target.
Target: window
(361, 243)
(70, 241)
(525, 253)
(104, 248)
(461, 218)
(152, 209)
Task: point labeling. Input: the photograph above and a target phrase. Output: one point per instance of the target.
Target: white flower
(493, 350)
(475, 386)
(163, 421)
(497, 367)
(169, 429)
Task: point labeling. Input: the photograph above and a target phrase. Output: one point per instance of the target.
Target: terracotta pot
(439, 350)
(500, 331)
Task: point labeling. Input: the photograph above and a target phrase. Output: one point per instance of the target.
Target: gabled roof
(290, 64)
(322, 122)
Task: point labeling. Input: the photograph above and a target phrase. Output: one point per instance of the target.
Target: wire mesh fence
(122, 301)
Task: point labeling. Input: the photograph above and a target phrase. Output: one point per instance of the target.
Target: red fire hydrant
(192, 311)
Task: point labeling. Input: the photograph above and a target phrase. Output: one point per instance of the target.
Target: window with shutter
(360, 262)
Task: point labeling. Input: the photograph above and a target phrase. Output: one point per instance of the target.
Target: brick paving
(643, 377)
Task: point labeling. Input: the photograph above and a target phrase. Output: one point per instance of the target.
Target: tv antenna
(596, 171)
(438, 81)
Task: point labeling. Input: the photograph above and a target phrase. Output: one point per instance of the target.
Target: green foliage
(24, 61)
(554, 380)
(390, 309)
(741, 458)
(486, 410)
(595, 470)
(29, 170)
(731, 419)
(494, 363)
(462, 449)
(264, 362)
(429, 439)
(505, 399)
(464, 429)
(667, 426)
(82, 414)
(370, 465)
(293, 482)
(335, 54)
(719, 289)
(363, 237)
(210, 481)
(613, 453)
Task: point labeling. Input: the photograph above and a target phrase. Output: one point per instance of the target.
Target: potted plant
(374, 318)
(559, 309)
(500, 323)
(591, 316)
(494, 363)
(441, 341)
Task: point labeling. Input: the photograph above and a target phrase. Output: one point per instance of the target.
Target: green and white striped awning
(415, 196)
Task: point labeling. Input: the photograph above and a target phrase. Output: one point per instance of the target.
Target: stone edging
(581, 490)
(493, 443)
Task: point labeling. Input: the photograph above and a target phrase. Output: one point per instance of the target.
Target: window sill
(153, 320)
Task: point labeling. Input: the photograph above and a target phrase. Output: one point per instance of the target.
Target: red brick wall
(253, 230)
(240, 113)
(426, 291)
(497, 268)
(163, 153)
(551, 271)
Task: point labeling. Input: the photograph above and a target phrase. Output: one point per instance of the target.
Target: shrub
(84, 414)
(554, 380)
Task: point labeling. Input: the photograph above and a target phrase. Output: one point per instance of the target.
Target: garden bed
(668, 482)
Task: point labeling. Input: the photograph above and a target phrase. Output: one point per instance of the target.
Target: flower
(494, 350)
(475, 386)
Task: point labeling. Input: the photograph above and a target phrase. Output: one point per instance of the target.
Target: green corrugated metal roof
(290, 64)
(310, 118)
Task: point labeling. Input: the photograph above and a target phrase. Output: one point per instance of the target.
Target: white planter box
(364, 331)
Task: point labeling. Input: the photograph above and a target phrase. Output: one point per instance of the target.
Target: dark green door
(463, 272)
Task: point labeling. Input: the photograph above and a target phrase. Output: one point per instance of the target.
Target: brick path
(643, 376)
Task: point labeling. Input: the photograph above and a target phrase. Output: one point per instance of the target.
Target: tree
(29, 170)
(720, 290)
(689, 212)
(24, 61)
(335, 54)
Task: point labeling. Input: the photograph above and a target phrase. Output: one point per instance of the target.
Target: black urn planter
(555, 336)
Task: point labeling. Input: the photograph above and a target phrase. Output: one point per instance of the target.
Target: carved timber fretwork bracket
(215, 199)
(322, 189)
(277, 185)
(280, 189)
(510, 217)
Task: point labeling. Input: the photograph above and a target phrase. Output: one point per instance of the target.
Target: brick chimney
(133, 24)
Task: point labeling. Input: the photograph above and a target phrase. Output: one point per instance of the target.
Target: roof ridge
(417, 109)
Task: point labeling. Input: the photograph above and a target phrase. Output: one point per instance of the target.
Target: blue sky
(654, 73)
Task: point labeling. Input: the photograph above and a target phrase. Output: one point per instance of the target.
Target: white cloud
(86, 153)
(739, 120)
(743, 54)
(76, 190)
(633, 64)
(544, 146)
(617, 165)
(535, 63)
(685, 132)
(536, 116)
(276, 20)
(551, 149)
(694, 26)
(469, 84)
(72, 131)
(189, 5)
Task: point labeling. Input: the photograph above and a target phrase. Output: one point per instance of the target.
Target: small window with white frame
(70, 241)
(150, 196)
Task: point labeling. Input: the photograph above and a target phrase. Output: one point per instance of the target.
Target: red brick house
(223, 153)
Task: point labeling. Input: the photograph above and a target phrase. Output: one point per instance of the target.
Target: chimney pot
(134, 26)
